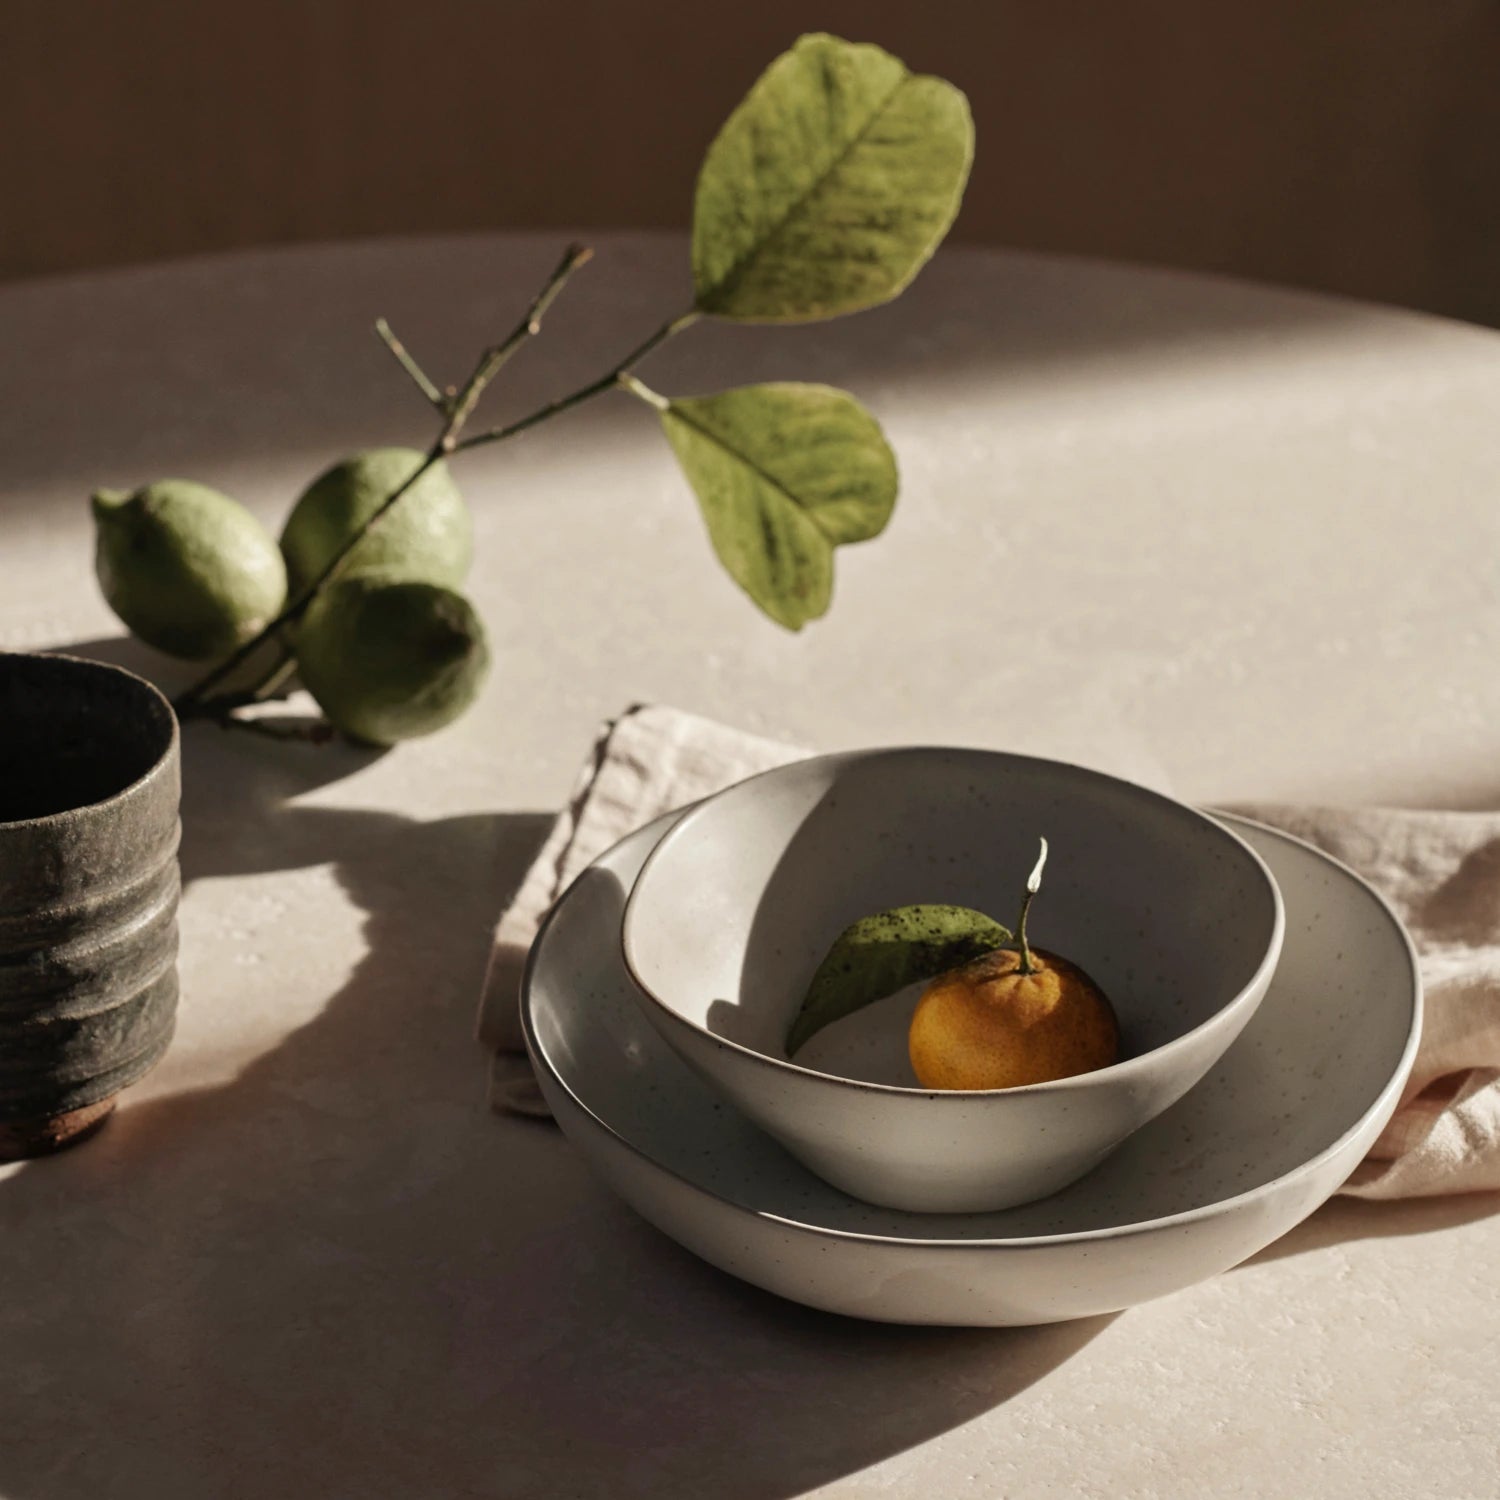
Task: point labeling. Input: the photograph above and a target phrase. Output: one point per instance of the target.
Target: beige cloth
(1441, 871)
(647, 762)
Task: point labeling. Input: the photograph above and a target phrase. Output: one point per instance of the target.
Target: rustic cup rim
(160, 704)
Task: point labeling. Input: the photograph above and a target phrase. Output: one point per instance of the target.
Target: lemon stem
(105, 501)
(1033, 885)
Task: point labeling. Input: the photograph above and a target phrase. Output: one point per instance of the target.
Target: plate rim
(1379, 1109)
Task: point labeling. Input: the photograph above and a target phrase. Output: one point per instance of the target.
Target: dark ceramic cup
(89, 781)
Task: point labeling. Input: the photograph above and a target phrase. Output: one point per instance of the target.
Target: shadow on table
(1343, 1219)
(337, 1274)
(275, 772)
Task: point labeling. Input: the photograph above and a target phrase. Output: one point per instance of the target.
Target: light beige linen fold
(645, 763)
(1440, 870)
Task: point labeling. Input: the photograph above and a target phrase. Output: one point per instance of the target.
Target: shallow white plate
(1272, 1131)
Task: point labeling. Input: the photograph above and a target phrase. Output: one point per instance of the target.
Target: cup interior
(1171, 914)
(74, 733)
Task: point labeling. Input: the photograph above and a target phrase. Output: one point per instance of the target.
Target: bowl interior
(1170, 913)
(1326, 1043)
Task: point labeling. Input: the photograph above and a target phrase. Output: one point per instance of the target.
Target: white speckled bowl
(1176, 917)
(1280, 1122)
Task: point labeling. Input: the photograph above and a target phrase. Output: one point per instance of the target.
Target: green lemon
(189, 570)
(390, 657)
(426, 535)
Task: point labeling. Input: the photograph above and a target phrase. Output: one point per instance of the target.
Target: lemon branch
(456, 408)
(611, 380)
(494, 359)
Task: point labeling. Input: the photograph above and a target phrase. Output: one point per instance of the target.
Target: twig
(270, 686)
(606, 382)
(187, 702)
(412, 368)
(457, 406)
(493, 359)
(262, 691)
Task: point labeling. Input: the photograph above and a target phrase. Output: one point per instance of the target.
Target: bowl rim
(1371, 1120)
(1124, 1070)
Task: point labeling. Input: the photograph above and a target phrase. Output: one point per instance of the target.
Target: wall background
(1350, 145)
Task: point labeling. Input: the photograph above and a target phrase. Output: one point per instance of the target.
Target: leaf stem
(628, 382)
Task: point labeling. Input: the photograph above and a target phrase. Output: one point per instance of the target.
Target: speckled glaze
(89, 785)
(1260, 1143)
(1176, 917)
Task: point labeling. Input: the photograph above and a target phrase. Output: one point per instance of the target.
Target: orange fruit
(990, 1025)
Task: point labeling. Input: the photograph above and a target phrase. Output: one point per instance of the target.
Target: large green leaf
(829, 187)
(784, 473)
(878, 955)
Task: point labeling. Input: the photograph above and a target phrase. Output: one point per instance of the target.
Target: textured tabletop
(1237, 542)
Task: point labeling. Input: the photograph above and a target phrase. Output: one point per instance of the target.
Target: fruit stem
(1033, 885)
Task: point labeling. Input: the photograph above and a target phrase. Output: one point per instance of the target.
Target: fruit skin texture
(426, 535)
(189, 570)
(986, 1025)
(390, 658)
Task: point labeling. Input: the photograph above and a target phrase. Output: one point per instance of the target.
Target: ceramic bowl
(1176, 917)
(1276, 1127)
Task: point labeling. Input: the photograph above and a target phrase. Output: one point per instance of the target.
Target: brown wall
(1344, 144)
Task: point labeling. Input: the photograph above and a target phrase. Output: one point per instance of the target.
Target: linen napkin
(1441, 872)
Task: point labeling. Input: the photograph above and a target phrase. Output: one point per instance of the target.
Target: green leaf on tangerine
(829, 187)
(878, 955)
(784, 474)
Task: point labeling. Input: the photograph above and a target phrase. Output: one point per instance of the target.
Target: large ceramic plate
(1272, 1131)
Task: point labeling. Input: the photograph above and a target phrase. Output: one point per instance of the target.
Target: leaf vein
(810, 511)
(733, 276)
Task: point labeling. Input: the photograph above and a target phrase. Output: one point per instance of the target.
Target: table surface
(1235, 541)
